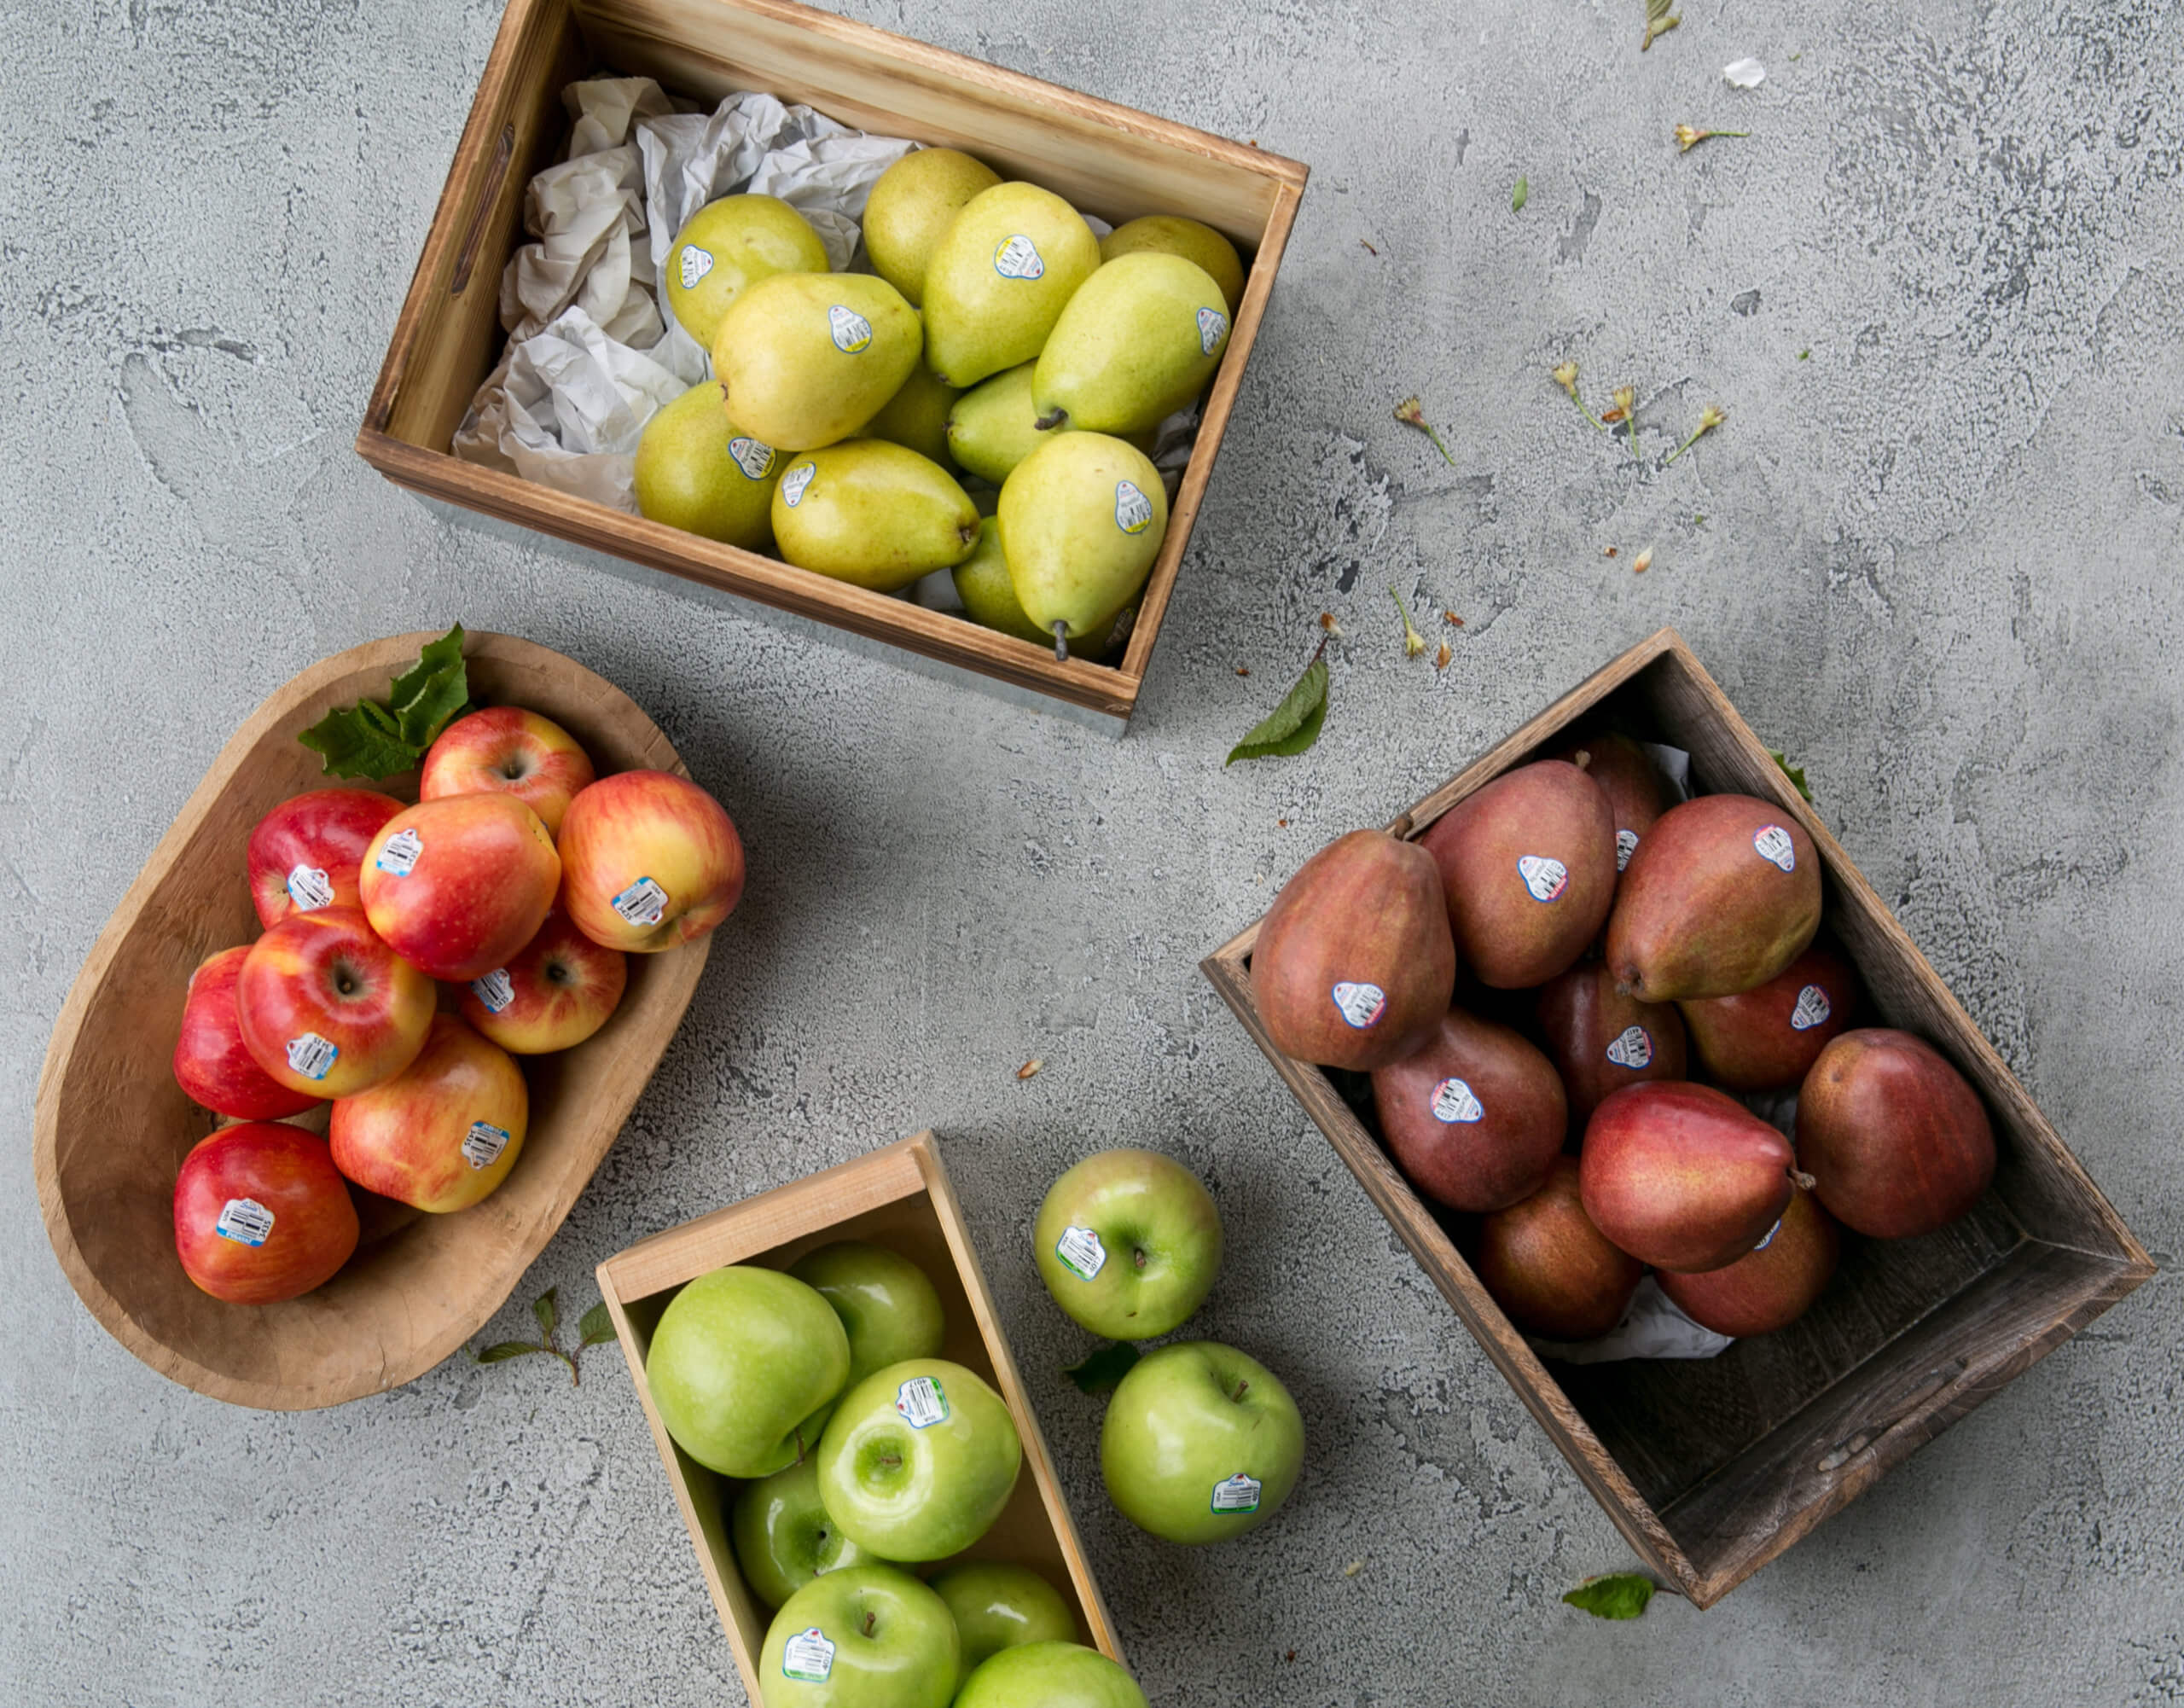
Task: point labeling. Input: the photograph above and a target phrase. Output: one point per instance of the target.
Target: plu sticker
(794, 482)
(921, 1403)
(397, 854)
(1080, 1253)
(644, 902)
(1812, 1010)
(309, 888)
(1361, 1005)
(807, 1656)
(1212, 328)
(696, 264)
(1771, 1233)
(1133, 509)
(1455, 1101)
(851, 331)
(483, 1144)
(755, 458)
(245, 1221)
(1631, 1048)
(311, 1055)
(1626, 845)
(496, 989)
(1546, 877)
(1017, 257)
(1236, 1494)
(1773, 845)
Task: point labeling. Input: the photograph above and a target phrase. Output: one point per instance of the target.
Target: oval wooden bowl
(113, 1126)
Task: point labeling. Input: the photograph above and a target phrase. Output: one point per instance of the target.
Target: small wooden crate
(899, 1197)
(1106, 160)
(1711, 1468)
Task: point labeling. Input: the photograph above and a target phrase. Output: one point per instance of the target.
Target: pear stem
(1053, 419)
(1062, 643)
(1401, 828)
(1800, 1177)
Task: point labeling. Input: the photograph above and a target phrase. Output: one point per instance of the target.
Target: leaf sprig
(1104, 1368)
(1621, 1595)
(593, 1328)
(1659, 21)
(1292, 726)
(374, 739)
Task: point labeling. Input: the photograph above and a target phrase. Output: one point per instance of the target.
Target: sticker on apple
(245, 1221)
(1545, 876)
(851, 331)
(311, 1055)
(1774, 846)
(496, 989)
(1017, 257)
(1771, 1233)
(1626, 845)
(1631, 1048)
(644, 902)
(1360, 1004)
(753, 456)
(794, 482)
(1212, 328)
(921, 1403)
(1080, 1253)
(483, 1144)
(1455, 1101)
(397, 854)
(696, 264)
(1812, 1010)
(1236, 1494)
(1133, 509)
(807, 1656)
(309, 888)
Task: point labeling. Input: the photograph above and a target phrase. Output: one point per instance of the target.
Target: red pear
(1772, 1285)
(1683, 1177)
(1723, 895)
(1475, 1119)
(1603, 1039)
(1528, 862)
(1767, 1038)
(1354, 965)
(1896, 1140)
(1549, 1268)
(1637, 792)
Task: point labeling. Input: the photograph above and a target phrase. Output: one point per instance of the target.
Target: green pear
(873, 514)
(917, 416)
(994, 288)
(1082, 518)
(1170, 234)
(988, 597)
(911, 209)
(992, 427)
(729, 244)
(805, 359)
(696, 472)
(1138, 342)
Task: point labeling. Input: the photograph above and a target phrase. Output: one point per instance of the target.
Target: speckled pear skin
(1895, 1139)
(806, 359)
(1082, 520)
(1705, 908)
(871, 513)
(1637, 791)
(1172, 234)
(1682, 1177)
(1767, 1038)
(1138, 341)
(1769, 1289)
(1474, 1118)
(1602, 1039)
(1363, 915)
(1549, 1269)
(1000, 279)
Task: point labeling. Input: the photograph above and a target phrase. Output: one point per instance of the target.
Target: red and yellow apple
(444, 1133)
(460, 884)
(650, 860)
(260, 1215)
(325, 1007)
(211, 1061)
(305, 853)
(553, 994)
(505, 750)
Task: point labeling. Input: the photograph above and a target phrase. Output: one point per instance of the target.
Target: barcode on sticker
(496, 989)
(1454, 1102)
(245, 1221)
(1080, 1253)
(921, 1403)
(397, 854)
(1631, 1048)
(644, 902)
(1813, 1009)
(311, 1055)
(1772, 843)
(483, 1144)
(807, 1656)
(1236, 1494)
(309, 888)
(1626, 845)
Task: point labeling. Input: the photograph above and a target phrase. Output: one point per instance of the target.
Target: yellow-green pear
(917, 416)
(989, 598)
(993, 426)
(697, 472)
(994, 288)
(729, 244)
(1134, 345)
(1170, 234)
(911, 209)
(1082, 518)
(871, 513)
(807, 358)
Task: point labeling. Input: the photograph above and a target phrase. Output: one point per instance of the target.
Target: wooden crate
(1711, 1468)
(899, 1197)
(1106, 160)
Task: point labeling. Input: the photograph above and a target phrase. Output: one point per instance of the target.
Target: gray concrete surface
(1939, 563)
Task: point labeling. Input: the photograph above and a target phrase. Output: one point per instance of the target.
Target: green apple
(917, 1460)
(1200, 1443)
(884, 1299)
(1128, 1243)
(1048, 1675)
(743, 1367)
(998, 1605)
(866, 1636)
(783, 1536)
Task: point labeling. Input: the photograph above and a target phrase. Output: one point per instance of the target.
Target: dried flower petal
(1243, 670)
(1441, 658)
(1642, 562)
(1609, 417)
(1030, 1068)
(1607, 551)
(1327, 623)
(1745, 74)
(1451, 616)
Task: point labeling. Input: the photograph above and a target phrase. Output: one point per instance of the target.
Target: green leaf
(1796, 774)
(1520, 195)
(360, 741)
(426, 697)
(1104, 1368)
(546, 1309)
(596, 1327)
(505, 1351)
(1292, 726)
(1621, 1597)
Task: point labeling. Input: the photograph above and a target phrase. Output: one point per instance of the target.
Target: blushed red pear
(1602, 1039)
(1772, 1285)
(1683, 1177)
(1550, 1268)
(1896, 1140)
(1475, 1118)
(1637, 791)
(1767, 1038)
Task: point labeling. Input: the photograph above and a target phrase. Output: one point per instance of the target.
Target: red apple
(1895, 1138)
(557, 992)
(325, 1007)
(444, 1133)
(1772, 1285)
(304, 854)
(1682, 1177)
(1549, 1269)
(260, 1215)
(211, 1062)
(506, 750)
(651, 860)
(460, 884)
(1474, 1119)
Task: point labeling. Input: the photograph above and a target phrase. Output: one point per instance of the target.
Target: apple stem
(1242, 1388)
(1062, 643)
(870, 1620)
(1137, 1255)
